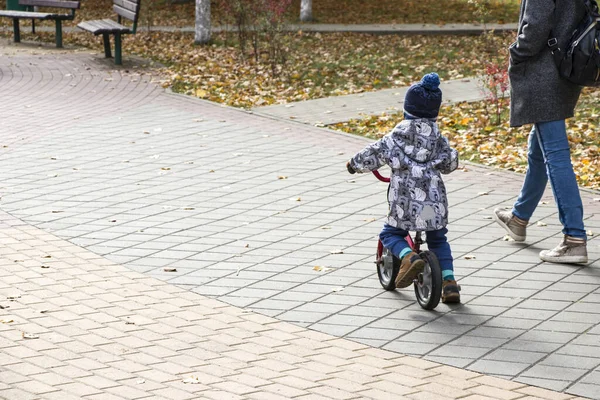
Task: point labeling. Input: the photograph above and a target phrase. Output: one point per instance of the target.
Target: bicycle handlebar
(380, 177)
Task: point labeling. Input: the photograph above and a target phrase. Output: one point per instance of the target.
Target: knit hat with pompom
(424, 99)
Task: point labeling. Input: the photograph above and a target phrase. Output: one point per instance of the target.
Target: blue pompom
(431, 81)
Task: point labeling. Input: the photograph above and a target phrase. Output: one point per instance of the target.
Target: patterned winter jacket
(417, 153)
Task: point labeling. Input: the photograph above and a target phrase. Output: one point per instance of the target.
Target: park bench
(33, 15)
(125, 9)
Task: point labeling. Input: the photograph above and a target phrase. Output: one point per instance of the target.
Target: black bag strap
(591, 9)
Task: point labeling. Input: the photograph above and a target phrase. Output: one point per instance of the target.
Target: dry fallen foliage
(319, 65)
(467, 126)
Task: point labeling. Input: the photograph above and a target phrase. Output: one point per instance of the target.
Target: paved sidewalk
(331, 110)
(216, 202)
(74, 325)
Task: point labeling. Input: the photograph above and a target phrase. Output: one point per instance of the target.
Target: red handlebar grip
(381, 177)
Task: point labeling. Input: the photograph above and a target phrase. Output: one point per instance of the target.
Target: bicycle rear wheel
(428, 287)
(388, 266)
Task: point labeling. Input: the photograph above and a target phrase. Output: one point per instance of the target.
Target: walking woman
(539, 96)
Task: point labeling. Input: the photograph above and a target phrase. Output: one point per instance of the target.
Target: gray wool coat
(538, 93)
(417, 153)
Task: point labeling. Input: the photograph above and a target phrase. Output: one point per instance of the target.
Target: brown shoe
(411, 266)
(450, 292)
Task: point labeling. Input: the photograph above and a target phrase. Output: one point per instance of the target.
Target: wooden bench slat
(27, 14)
(132, 16)
(51, 3)
(130, 5)
(98, 27)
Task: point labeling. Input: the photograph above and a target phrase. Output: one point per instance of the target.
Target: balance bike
(428, 284)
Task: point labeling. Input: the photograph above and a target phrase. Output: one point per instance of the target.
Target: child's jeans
(395, 240)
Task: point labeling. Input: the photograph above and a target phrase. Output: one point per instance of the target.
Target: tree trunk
(306, 10)
(202, 22)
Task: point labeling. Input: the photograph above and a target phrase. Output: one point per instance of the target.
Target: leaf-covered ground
(468, 127)
(165, 12)
(319, 65)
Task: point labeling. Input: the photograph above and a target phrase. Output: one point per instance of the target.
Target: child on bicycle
(417, 153)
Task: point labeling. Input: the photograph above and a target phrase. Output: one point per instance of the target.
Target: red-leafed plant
(496, 86)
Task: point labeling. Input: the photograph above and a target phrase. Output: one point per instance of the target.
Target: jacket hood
(417, 138)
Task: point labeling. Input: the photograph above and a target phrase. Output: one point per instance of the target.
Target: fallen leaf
(470, 257)
(483, 193)
(165, 168)
(282, 177)
(13, 298)
(337, 251)
(541, 223)
(487, 217)
(322, 269)
(193, 380)
(188, 208)
(45, 266)
(325, 227)
(339, 289)
(29, 335)
(168, 269)
(6, 321)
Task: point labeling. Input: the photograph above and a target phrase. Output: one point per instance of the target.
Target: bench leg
(118, 60)
(59, 42)
(16, 30)
(106, 45)
(33, 26)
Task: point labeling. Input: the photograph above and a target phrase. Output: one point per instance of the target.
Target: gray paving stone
(577, 362)
(553, 372)
(376, 333)
(578, 350)
(535, 346)
(451, 350)
(510, 368)
(511, 322)
(519, 356)
(496, 332)
(551, 384)
(585, 390)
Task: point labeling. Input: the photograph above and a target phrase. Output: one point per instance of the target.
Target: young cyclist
(417, 154)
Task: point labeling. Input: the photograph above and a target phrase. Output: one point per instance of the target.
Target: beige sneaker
(515, 227)
(570, 251)
(412, 265)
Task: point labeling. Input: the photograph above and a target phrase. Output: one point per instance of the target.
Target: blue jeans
(549, 157)
(395, 240)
